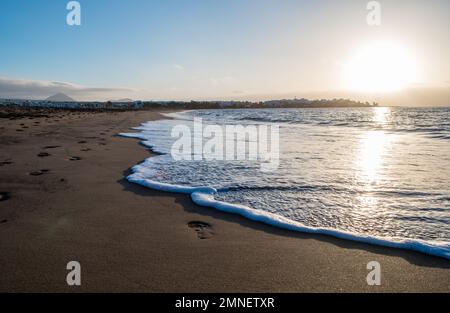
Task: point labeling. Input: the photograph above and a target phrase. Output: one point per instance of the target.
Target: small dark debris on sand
(75, 158)
(52, 147)
(4, 196)
(43, 154)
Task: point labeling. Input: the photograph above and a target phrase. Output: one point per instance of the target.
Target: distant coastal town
(62, 101)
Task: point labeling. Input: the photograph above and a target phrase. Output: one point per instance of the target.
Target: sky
(230, 50)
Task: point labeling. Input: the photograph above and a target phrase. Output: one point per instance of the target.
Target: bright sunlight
(380, 67)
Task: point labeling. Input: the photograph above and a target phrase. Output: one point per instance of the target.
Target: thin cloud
(35, 89)
(218, 81)
(178, 67)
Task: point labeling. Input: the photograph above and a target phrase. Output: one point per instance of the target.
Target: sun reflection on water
(371, 160)
(373, 148)
(380, 115)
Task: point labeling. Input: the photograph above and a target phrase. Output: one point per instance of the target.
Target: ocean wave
(276, 188)
(204, 196)
(404, 193)
(429, 122)
(330, 203)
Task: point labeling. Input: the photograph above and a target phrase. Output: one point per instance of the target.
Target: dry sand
(76, 205)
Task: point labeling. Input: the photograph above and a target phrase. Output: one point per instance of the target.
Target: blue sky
(206, 49)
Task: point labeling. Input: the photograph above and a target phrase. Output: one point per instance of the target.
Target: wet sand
(63, 197)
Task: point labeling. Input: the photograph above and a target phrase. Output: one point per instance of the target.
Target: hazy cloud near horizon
(35, 89)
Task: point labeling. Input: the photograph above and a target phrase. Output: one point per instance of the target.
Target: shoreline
(130, 238)
(205, 196)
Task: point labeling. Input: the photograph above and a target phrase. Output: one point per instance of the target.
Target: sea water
(375, 175)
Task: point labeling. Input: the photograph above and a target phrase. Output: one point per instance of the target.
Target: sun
(380, 67)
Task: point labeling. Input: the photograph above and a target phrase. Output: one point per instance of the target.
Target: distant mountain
(60, 97)
(123, 100)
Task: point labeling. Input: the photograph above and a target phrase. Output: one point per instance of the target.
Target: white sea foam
(204, 196)
(153, 173)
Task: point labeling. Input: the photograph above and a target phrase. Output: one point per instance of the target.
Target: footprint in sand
(3, 221)
(86, 149)
(6, 163)
(4, 196)
(39, 173)
(52, 147)
(82, 141)
(75, 158)
(203, 230)
(43, 154)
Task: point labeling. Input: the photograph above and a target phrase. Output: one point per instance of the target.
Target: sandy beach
(65, 197)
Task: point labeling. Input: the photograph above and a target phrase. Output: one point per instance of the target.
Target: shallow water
(379, 175)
